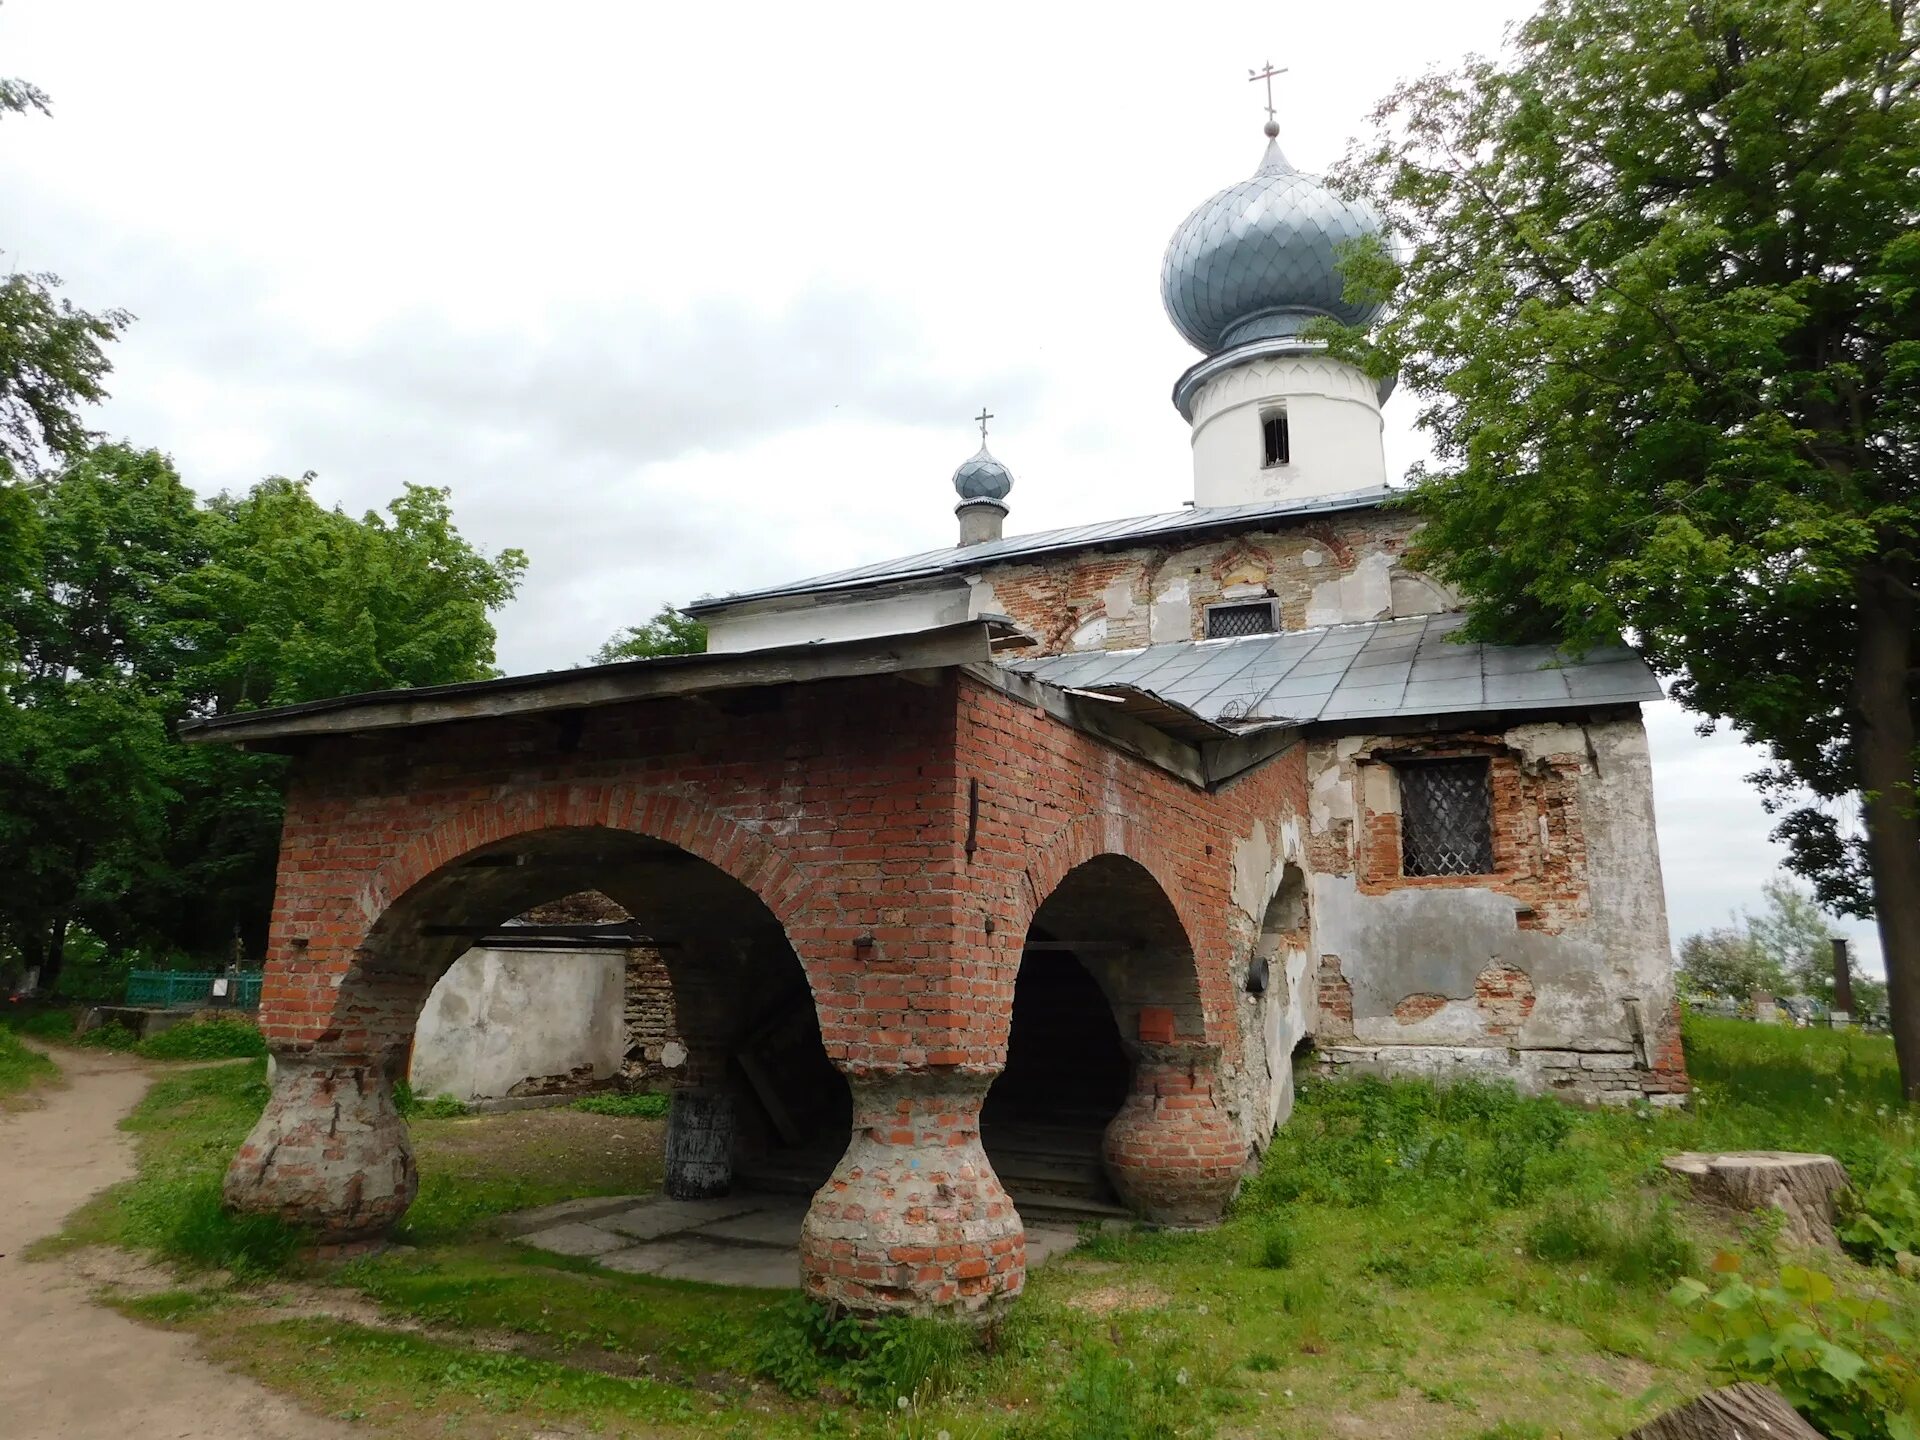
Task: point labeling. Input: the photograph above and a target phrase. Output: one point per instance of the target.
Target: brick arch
(1103, 833)
(727, 845)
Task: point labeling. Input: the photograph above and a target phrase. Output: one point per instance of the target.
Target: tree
(667, 633)
(1725, 961)
(1658, 289)
(51, 360)
(141, 607)
(1796, 936)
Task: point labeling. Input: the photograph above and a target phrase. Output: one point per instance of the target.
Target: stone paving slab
(656, 1218)
(710, 1262)
(574, 1238)
(743, 1240)
(776, 1225)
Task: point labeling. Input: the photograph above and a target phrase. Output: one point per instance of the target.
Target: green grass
(22, 1069)
(645, 1107)
(1411, 1261)
(224, 1037)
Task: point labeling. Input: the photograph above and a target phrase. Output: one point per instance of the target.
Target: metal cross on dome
(1268, 75)
(982, 418)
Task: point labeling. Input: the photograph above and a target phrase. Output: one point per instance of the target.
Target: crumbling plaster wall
(1330, 570)
(1553, 971)
(499, 1019)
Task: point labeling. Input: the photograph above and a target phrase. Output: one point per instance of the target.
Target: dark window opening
(1273, 433)
(1446, 818)
(1226, 621)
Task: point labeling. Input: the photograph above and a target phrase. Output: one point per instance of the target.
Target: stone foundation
(329, 1152)
(913, 1219)
(1173, 1152)
(1593, 1077)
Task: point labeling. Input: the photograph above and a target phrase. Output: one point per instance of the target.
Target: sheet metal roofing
(959, 559)
(1371, 671)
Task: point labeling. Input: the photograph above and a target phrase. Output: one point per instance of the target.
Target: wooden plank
(678, 676)
(1091, 717)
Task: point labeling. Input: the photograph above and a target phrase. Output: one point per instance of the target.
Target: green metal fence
(190, 989)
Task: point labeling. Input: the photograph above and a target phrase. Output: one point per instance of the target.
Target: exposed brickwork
(1055, 600)
(1335, 1008)
(1173, 1153)
(1421, 1005)
(847, 812)
(913, 1218)
(651, 1018)
(337, 1161)
(1504, 994)
(1539, 846)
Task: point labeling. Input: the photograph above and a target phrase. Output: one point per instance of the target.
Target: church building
(1025, 873)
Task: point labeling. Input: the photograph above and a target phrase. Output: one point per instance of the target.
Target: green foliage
(807, 1346)
(667, 633)
(137, 608)
(651, 1106)
(1273, 1248)
(1844, 1362)
(1880, 1215)
(227, 1037)
(1364, 1142)
(21, 1068)
(1645, 1245)
(434, 1107)
(56, 1023)
(1658, 291)
(110, 1036)
(1725, 961)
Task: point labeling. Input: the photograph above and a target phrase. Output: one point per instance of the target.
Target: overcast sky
(683, 299)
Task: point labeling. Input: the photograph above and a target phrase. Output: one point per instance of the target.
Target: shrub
(110, 1036)
(55, 1024)
(433, 1107)
(627, 1107)
(1880, 1215)
(227, 1037)
(1842, 1361)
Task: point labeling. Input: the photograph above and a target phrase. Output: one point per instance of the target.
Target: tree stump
(1801, 1187)
(1739, 1412)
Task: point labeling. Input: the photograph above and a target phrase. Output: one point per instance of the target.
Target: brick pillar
(1173, 1152)
(913, 1220)
(329, 1152)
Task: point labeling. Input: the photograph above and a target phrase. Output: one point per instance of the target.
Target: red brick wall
(843, 806)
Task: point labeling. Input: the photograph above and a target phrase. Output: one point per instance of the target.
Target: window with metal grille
(1254, 618)
(1446, 818)
(1273, 436)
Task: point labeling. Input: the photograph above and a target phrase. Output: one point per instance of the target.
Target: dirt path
(74, 1370)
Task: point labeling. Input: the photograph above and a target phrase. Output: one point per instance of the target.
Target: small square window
(1274, 440)
(1446, 818)
(1252, 618)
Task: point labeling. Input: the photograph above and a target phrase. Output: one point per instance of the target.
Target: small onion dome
(1262, 258)
(983, 478)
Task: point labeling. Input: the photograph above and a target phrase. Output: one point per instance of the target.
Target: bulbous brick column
(913, 1220)
(1173, 1152)
(330, 1151)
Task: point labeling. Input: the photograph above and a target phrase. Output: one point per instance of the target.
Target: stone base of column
(1173, 1153)
(330, 1152)
(913, 1220)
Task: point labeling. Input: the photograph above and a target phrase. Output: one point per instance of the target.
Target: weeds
(649, 1106)
(226, 1037)
(891, 1362)
(1273, 1249)
(21, 1068)
(1645, 1246)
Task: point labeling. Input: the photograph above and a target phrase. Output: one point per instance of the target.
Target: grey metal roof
(1262, 257)
(957, 559)
(1376, 670)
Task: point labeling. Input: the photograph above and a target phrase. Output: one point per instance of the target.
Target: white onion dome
(983, 477)
(1262, 258)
